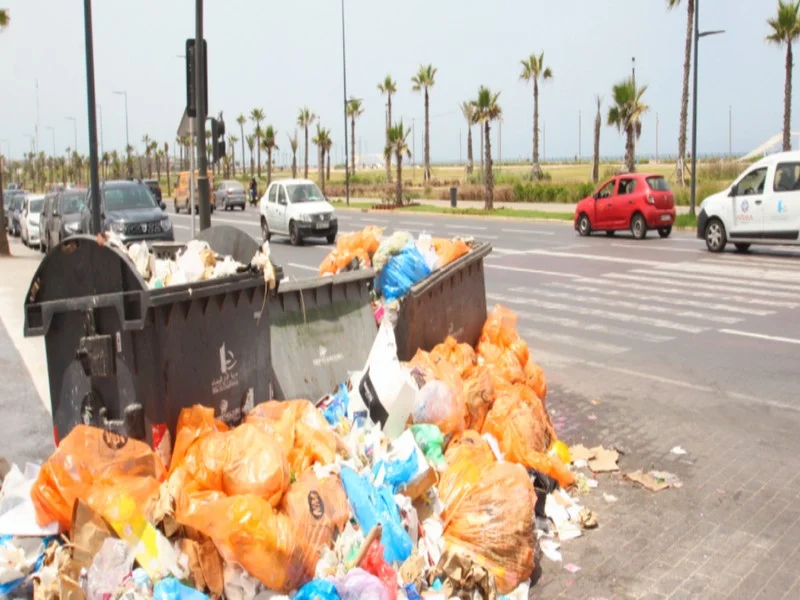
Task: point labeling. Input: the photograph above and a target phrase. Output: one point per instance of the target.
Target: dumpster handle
(39, 316)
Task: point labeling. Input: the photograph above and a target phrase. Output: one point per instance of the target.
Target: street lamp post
(697, 36)
(344, 84)
(127, 139)
(75, 128)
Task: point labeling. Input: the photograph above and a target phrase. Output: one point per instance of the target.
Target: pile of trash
(436, 478)
(399, 260)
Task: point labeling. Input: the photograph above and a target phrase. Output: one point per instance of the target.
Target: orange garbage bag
(500, 328)
(302, 431)
(449, 250)
(479, 395)
(337, 260)
(90, 457)
(461, 356)
(193, 423)
(358, 244)
(536, 380)
(488, 511)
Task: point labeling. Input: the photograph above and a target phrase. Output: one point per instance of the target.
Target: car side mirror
(734, 191)
(163, 205)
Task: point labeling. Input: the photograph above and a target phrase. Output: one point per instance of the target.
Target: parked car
(182, 192)
(637, 201)
(155, 188)
(61, 217)
(129, 210)
(229, 194)
(759, 207)
(297, 208)
(29, 231)
(13, 205)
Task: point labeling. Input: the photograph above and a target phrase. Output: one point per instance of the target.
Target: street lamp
(127, 139)
(75, 127)
(697, 36)
(344, 82)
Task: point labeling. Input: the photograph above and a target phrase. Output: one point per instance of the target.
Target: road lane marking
(599, 257)
(532, 271)
(174, 226)
(761, 336)
(646, 308)
(654, 248)
(465, 227)
(655, 298)
(754, 262)
(591, 326)
(304, 267)
(534, 335)
(531, 231)
(718, 283)
(597, 313)
(414, 223)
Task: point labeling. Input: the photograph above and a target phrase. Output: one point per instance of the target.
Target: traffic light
(217, 139)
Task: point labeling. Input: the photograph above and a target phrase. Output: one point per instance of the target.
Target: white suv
(761, 207)
(297, 208)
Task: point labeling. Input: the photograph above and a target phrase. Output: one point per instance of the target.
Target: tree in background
(598, 121)
(304, 119)
(354, 110)
(687, 67)
(257, 115)
(166, 156)
(270, 143)
(468, 110)
(251, 144)
(319, 142)
(785, 31)
(159, 156)
(626, 115)
(294, 144)
(241, 120)
(533, 70)
(388, 87)
(487, 110)
(146, 141)
(327, 146)
(423, 81)
(396, 143)
(232, 139)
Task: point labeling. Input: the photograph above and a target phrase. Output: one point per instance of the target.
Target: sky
(280, 56)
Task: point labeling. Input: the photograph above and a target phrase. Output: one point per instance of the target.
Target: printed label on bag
(113, 440)
(377, 411)
(315, 505)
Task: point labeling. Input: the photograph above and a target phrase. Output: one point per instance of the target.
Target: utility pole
(730, 131)
(38, 123)
(413, 142)
(100, 111)
(500, 143)
(544, 141)
(633, 78)
(580, 153)
(94, 174)
(459, 147)
(656, 137)
(200, 101)
(344, 86)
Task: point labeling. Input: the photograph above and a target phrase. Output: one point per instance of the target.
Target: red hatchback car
(638, 202)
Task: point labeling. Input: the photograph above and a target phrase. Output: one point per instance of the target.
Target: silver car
(229, 194)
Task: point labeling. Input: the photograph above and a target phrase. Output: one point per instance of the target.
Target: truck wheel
(584, 225)
(638, 227)
(716, 238)
(294, 235)
(265, 230)
(665, 231)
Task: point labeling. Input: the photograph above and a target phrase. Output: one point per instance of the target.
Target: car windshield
(15, 201)
(658, 184)
(35, 206)
(304, 192)
(128, 197)
(71, 204)
(234, 185)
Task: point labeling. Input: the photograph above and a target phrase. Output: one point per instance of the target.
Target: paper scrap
(580, 452)
(550, 548)
(572, 568)
(610, 498)
(655, 481)
(678, 450)
(604, 461)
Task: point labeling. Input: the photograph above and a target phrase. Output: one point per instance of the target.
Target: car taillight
(229, 192)
(651, 199)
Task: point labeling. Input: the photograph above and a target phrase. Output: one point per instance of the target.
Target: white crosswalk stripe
(720, 270)
(537, 335)
(710, 283)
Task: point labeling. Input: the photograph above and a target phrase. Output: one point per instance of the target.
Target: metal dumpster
(320, 329)
(128, 358)
(450, 301)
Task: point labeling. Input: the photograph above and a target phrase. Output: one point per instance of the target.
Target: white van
(761, 207)
(297, 208)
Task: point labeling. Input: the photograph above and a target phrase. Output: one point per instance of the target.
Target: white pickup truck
(297, 208)
(762, 206)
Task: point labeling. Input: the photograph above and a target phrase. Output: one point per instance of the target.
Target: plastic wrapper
(301, 429)
(479, 395)
(489, 511)
(431, 441)
(318, 589)
(374, 563)
(461, 356)
(390, 247)
(449, 250)
(89, 458)
(396, 473)
(455, 416)
(400, 273)
(437, 405)
(109, 568)
(372, 505)
(172, 589)
(360, 585)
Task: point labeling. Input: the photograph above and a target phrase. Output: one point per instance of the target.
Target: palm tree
(294, 144)
(468, 110)
(159, 156)
(304, 119)
(241, 120)
(328, 144)
(598, 121)
(257, 115)
(319, 142)
(424, 80)
(785, 30)
(626, 115)
(396, 144)
(116, 165)
(147, 152)
(232, 139)
(270, 143)
(533, 69)
(251, 144)
(166, 156)
(487, 110)
(389, 87)
(354, 110)
(687, 65)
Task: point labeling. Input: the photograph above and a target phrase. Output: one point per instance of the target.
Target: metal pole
(192, 182)
(100, 112)
(693, 194)
(579, 137)
(94, 171)
(633, 78)
(414, 142)
(500, 143)
(656, 137)
(199, 78)
(38, 123)
(730, 131)
(344, 85)
(459, 147)
(544, 141)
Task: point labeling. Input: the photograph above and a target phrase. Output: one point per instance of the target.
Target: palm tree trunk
(269, 166)
(389, 156)
(787, 101)
(483, 165)
(536, 172)
(321, 168)
(630, 153)
(469, 149)
(294, 164)
(489, 175)
(168, 185)
(305, 171)
(353, 145)
(258, 148)
(241, 129)
(598, 122)
(427, 138)
(687, 63)
(233, 159)
(328, 152)
(398, 186)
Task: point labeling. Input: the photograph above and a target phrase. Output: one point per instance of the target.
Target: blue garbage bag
(172, 589)
(23, 584)
(397, 472)
(373, 505)
(340, 404)
(318, 589)
(401, 272)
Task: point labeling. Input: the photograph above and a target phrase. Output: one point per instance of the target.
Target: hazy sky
(280, 55)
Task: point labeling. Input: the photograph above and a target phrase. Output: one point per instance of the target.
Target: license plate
(320, 225)
(666, 218)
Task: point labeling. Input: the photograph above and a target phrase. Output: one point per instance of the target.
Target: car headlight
(166, 224)
(304, 217)
(117, 227)
(72, 227)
